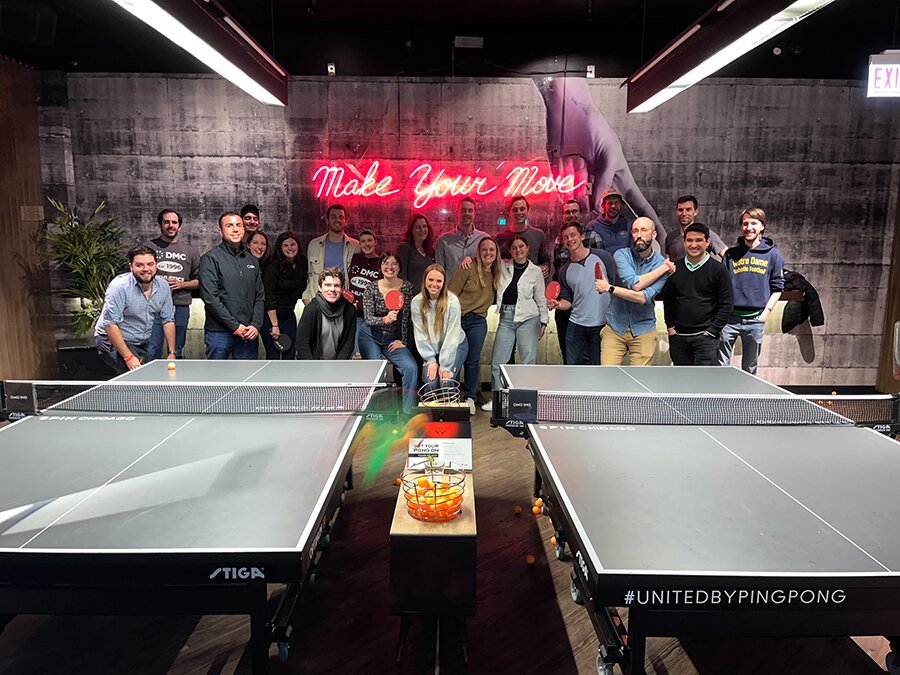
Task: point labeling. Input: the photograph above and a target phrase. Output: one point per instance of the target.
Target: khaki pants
(614, 347)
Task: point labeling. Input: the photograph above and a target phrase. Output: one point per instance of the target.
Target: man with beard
(631, 318)
(133, 301)
(179, 263)
(611, 225)
(335, 248)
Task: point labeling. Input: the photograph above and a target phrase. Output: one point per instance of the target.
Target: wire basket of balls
(439, 392)
(434, 493)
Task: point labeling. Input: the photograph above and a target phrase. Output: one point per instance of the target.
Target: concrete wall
(823, 161)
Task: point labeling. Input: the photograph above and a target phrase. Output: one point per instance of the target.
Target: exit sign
(884, 74)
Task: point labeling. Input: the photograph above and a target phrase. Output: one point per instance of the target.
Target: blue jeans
(523, 335)
(360, 322)
(223, 345)
(158, 339)
(582, 345)
(373, 344)
(287, 325)
(751, 332)
(475, 328)
(461, 353)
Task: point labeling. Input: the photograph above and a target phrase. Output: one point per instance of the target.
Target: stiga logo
(236, 573)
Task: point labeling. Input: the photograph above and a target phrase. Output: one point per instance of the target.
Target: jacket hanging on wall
(810, 308)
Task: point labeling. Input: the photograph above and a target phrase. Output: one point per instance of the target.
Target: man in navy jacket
(756, 269)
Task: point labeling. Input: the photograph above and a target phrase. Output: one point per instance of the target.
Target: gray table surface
(718, 499)
(171, 482)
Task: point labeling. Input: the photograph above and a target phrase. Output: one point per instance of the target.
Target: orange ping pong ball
(529, 559)
(553, 541)
(536, 510)
(518, 509)
(538, 502)
(171, 366)
(834, 393)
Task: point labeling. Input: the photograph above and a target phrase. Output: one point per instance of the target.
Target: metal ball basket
(433, 493)
(439, 392)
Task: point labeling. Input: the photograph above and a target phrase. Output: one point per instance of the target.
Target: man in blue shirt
(611, 225)
(583, 294)
(455, 246)
(631, 318)
(333, 249)
(133, 301)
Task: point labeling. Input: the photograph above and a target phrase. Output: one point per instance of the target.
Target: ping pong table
(188, 509)
(709, 502)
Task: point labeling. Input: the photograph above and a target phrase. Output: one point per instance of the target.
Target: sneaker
(472, 408)
(488, 407)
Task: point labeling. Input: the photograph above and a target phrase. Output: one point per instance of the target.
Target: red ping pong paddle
(348, 296)
(394, 300)
(598, 270)
(552, 291)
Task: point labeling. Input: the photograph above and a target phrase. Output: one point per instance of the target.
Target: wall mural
(584, 157)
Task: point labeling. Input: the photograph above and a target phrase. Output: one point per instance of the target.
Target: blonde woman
(435, 314)
(476, 285)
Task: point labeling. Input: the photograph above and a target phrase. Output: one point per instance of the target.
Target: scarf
(332, 326)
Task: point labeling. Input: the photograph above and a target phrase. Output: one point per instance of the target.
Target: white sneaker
(472, 408)
(488, 407)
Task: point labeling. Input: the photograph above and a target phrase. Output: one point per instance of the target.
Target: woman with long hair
(258, 245)
(439, 336)
(476, 285)
(522, 304)
(417, 250)
(385, 334)
(284, 280)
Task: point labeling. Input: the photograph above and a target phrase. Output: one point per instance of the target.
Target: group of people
(609, 271)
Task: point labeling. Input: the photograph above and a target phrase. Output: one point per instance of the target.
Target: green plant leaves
(89, 253)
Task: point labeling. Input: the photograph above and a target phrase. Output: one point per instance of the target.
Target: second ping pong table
(186, 509)
(747, 527)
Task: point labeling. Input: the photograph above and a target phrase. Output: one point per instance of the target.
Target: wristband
(129, 357)
(172, 352)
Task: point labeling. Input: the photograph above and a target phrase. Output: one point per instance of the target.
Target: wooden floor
(526, 621)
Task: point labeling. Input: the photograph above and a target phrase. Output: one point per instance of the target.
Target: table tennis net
(203, 398)
(676, 409)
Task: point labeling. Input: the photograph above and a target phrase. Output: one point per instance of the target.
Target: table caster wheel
(892, 661)
(576, 593)
(343, 498)
(545, 510)
(284, 651)
(560, 550)
(602, 667)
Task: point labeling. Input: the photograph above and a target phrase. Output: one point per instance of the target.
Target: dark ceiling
(521, 37)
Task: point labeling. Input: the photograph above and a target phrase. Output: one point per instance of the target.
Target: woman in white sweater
(436, 325)
(523, 311)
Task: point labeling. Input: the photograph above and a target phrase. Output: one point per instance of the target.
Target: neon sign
(428, 183)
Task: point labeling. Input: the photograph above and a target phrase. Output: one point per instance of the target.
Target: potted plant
(89, 253)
